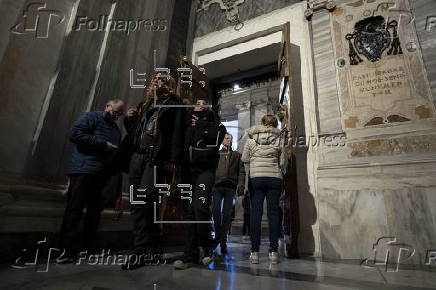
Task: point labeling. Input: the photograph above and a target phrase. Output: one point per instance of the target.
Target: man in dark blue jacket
(96, 136)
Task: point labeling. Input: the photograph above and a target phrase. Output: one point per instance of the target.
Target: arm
(241, 177)
(129, 121)
(246, 154)
(82, 132)
(222, 131)
(283, 158)
(177, 145)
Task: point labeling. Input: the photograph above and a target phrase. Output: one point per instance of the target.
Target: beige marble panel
(351, 221)
(390, 90)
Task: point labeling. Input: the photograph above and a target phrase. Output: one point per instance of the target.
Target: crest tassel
(396, 44)
(354, 57)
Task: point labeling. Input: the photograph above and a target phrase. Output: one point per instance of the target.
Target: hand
(110, 147)
(169, 167)
(194, 120)
(132, 112)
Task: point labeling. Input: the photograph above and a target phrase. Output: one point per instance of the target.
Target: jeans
(198, 210)
(85, 190)
(271, 188)
(222, 198)
(146, 233)
(246, 224)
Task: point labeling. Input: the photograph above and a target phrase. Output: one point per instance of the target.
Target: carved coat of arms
(229, 6)
(371, 37)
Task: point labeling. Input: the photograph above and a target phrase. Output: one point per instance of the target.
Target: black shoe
(185, 263)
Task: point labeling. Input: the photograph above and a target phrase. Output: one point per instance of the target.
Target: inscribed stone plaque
(384, 79)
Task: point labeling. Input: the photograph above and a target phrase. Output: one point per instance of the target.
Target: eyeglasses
(117, 112)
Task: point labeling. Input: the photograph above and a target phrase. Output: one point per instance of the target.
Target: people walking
(229, 179)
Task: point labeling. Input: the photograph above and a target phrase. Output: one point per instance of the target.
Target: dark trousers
(198, 232)
(146, 233)
(222, 212)
(85, 190)
(246, 224)
(271, 188)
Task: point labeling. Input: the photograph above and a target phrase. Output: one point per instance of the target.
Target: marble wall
(46, 83)
(425, 15)
(379, 181)
(380, 184)
(27, 67)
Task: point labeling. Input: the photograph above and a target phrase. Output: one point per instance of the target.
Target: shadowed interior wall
(47, 83)
(26, 70)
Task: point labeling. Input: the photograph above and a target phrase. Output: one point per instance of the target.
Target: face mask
(200, 114)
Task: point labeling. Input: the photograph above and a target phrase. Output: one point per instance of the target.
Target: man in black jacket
(156, 134)
(230, 177)
(204, 135)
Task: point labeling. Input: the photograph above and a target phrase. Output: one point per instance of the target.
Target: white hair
(113, 102)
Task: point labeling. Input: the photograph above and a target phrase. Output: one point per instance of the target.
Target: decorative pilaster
(316, 5)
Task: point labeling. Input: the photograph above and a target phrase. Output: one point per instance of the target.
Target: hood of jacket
(264, 135)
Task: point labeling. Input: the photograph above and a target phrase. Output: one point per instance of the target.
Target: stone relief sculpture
(382, 83)
(371, 37)
(230, 7)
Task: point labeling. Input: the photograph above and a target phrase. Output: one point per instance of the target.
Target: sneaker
(185, 263)
(254, 257)
(274, 257)
(208, 257)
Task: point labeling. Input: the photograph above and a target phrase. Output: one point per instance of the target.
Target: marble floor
(234, 272)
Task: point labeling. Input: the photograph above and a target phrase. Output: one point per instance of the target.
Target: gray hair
(113, 102)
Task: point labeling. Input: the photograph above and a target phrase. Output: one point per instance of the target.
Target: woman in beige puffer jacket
(266, 154)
